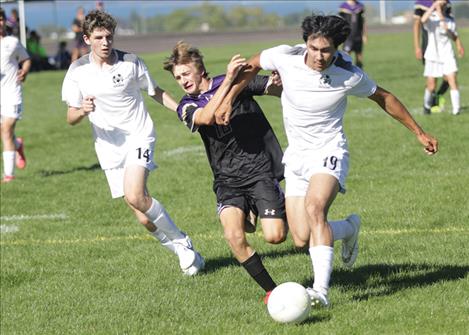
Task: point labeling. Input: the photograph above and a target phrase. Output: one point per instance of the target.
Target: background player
(316, 82)
(246, 163)
(440, 60)
(15, 65)
(420, 45)
(354, 13)
(105, 86)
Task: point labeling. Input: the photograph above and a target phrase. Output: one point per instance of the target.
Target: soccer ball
(289, 302)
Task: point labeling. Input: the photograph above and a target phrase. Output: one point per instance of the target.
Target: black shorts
(353, 45)
(264, 197)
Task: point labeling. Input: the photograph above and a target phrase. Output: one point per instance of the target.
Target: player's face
(321, 51)
(189, 78)
(2, 25)
(100, 42)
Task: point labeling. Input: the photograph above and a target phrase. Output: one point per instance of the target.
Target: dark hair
(2, 13)
(98, 19)
(184, 53)
(330, 26)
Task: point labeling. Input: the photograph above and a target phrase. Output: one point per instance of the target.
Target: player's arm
(24, 70)
(222, 114)
(391, 105)
(206, 115)
(165, 99)
(76, 114)
(416, 30)
(429, 12)
(459, 46)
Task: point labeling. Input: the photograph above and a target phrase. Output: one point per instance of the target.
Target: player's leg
(454, 92)
(232, 220)
(429, 94)
(297, 219)
(268, 199)
(137, 197)
(9, 149)
(322, 191)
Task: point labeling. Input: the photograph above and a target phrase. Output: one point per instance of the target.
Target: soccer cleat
(426, 111)
(266, 298)
(7, 179)
(196, 267)
(441, 103)
(20, 157)
(317, 298)
(435, 110)
(350, 246)
(185, 252)
(250, 222)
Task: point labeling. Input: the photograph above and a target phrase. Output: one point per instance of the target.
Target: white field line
(5, 229)
(213, 236)
(183, 150)
(59, 216)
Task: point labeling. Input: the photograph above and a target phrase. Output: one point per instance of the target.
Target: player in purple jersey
(420, 45)
(354, 13)
(245, 156)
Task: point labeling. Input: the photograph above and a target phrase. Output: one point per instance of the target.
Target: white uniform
(439, 55)
(11, 53)
(313, 105)
(122, 128)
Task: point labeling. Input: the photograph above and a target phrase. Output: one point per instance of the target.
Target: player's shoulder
(80, 63)
(124, 56)
(350, 73)
(287, 49)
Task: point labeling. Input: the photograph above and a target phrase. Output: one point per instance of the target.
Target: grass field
(74, 261)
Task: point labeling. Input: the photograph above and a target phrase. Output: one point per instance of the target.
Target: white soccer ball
(289, 302)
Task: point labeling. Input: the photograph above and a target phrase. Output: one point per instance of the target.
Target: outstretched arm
(222, 115)
(206, 115)
(416, 30)
(164, 98)
(391, 105)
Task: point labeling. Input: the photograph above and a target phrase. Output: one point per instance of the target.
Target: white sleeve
(21, 52)
(269, 57)
(364, 87)
(145, 80)
(71, 93)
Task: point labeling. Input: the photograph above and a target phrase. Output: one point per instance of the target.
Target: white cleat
(317, 298)
(350, 246)
(196, 267)
(185, 252)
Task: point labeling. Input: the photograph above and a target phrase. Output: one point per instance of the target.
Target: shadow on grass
(46, 173)
(384, 279)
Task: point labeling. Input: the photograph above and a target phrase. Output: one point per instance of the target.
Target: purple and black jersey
(354, 14)
(247, 149)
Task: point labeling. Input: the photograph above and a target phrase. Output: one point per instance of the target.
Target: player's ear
(87, 39)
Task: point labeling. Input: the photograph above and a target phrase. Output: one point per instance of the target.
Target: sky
(62, 12)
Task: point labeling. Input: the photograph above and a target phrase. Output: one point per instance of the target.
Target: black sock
(257, 271)
(443, 88)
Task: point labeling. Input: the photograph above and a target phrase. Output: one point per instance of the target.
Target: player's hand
(88, 105)
(222, 114)
(236, 64)
(418, 53)
(365, 39)
(276, 79)
(461, 52)
(21, 75)
(430, 144)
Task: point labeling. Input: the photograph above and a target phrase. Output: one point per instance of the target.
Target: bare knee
(299, 242)
(136, 201)
(316, 212)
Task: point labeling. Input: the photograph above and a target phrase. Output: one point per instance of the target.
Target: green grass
(94, 270)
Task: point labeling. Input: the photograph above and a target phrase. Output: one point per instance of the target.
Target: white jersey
(439, 48)
(314, 102)
(120, 118)
(12, 53)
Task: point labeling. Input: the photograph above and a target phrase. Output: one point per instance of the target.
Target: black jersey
(355, 16)
(247, 149)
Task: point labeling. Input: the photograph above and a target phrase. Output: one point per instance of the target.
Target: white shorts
(302, 165)
(138, 155)
(12, 111)
(439, 69)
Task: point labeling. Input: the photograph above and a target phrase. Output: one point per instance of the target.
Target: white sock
(322, 257)
(427, 99)
(164, 240)
(9, 163)
(341, 230)
(160, 218)
(455, 101)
